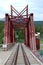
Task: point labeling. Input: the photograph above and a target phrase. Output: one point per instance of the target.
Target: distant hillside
(38, 22)
(35, 22)
(2, 19)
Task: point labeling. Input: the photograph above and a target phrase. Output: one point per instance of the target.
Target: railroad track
(13, 57)
(25, 57)
(19, 58)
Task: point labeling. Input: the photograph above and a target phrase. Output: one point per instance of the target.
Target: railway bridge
(19, 21)
(20, 54)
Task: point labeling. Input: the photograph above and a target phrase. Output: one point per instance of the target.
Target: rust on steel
(22, 21)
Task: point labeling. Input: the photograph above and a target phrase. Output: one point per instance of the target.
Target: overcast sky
(34, 6)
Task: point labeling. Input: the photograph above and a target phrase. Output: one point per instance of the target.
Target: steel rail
(26, 60)
(13, 58)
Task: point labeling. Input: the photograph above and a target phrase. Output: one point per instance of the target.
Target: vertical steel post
(7, 30)
(26, 36)
(33, 33)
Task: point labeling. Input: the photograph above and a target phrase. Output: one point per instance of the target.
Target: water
(41, 52)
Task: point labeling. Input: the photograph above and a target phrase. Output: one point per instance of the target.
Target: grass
(41, 41)
(41, 47)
